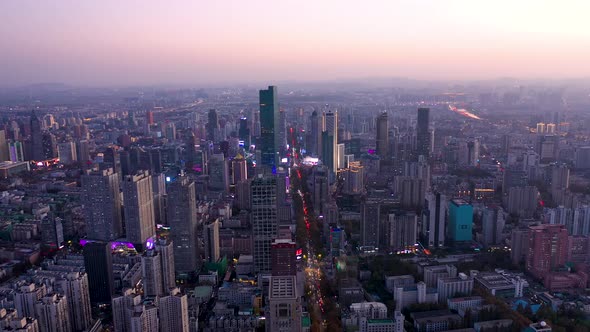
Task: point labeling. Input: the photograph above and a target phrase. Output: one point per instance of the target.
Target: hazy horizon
(190, 42)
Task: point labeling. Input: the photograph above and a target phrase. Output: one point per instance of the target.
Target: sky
(186, 42)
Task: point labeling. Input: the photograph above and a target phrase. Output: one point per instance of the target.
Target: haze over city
(119, 43)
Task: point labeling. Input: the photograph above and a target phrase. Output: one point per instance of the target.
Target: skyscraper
(269, 124)
(370, 223)
(244, 132)
(99, 267)
(4, 156)
(402, 233)
(460, 220)
(182, 219)
(382, 138)
(139, 208)
(239, 169)
(492, 225)
(212, 125)
(102, 205)
(331, 137)
(51, 312)
(36, 138)
(434, 219)
(423, 136)
(218, 172)
(263, 200)
(314, 147)
(165, 249)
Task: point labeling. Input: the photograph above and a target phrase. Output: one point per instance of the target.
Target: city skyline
(131, 43)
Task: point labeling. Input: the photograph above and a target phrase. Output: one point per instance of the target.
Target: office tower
(218, 173)
(370, 223)
(330, 140)
(149, 117)
(15, 151)
(264, 202)
(4, 156)
(239, 169)
(67, 152)
(211, 240)
(171, 131)
(460, 220)
(548, 249)
(82, 151)
(284, 305)
(382, 136)
(212, 125)
(52, 313)
(36, 138)
(182, 219)
(139, 208)
(403, 227)
(244, 133)
(269, 144)
(159, 192)
(283, 258)
(314, 147)
(354, 178)
(151, 273)
(75, 288)
(99, 267)
(102, 205)
(174, 315)
(434, 219)
(560, 175)
(493, 221)
(423, 135)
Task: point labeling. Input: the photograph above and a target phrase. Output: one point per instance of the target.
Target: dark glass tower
(423, 132)
(99, 267)
(244, 132)
(382, 138)
(212, 124)
(315, 144)
(36, 138)
(269, 117)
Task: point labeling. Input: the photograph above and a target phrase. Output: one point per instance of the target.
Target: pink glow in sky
(198, 41)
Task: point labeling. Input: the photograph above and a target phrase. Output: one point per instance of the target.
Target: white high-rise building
(74, 286)
(52, 313)
(151, 273)
(165, 250)
(174, 315)
(139, 207)
(26, 297)
(211, 240)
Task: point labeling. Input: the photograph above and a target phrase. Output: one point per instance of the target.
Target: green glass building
(460, 220)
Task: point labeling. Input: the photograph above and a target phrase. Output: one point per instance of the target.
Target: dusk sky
(114, 42)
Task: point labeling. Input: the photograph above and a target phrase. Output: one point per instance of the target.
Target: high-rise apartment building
(211, 240)
(182, 219)
(151, 273)
(173, 310)
(547, 250)
(402, 230)
(76, 290)
(139, 208)
(51, 311)
(102, 205)
(434, 218)
(370, 223)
